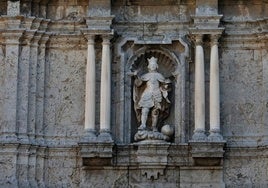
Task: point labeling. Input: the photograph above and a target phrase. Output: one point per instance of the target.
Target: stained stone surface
(43, 56)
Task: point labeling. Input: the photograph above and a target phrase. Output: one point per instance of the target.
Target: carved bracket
(153, 173)
(207, 153)
(96, 154)
(152, 158)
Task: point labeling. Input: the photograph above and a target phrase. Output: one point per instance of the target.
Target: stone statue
(151, 103)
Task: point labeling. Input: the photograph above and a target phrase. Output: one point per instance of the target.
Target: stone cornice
(88, 31)
(21, 22)
(66, 41)
(206, 31)
(245, 41)
(234, 27)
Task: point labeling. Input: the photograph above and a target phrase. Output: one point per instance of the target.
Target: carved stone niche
(155, 95)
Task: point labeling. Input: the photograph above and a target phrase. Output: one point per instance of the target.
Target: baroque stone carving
(151, 103)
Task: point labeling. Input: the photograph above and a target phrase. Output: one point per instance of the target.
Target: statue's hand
(168, 81)
(135, 73)
(138, 82)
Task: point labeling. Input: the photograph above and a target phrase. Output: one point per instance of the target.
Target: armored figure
(150, 96)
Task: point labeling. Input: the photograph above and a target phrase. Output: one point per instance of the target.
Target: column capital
(106, 39)
(43, 40)
(89, 35)
(12, 37)
(28, 37)
(90, 39)
(197, 39)
(214, 39)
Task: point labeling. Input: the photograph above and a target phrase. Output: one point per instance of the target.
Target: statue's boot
(144, 116)
(154, 121)
(142, 127)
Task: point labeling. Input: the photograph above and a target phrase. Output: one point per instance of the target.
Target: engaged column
(199, 132)
(214, 89)
(105, 103)
(90, 132)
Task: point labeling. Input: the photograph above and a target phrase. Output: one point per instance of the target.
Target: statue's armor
(151, 96)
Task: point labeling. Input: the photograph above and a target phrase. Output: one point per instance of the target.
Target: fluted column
(214, 92)
(90, 132)
(105, 103)
(199, 132)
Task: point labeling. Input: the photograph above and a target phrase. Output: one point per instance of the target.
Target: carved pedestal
(151, 159)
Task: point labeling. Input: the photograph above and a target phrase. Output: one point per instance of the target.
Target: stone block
(201, 177)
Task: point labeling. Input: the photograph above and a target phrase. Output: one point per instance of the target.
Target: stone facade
(67, 116)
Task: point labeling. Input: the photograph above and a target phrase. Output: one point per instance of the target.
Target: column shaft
(214, 89)
(199, 89)
(105, 103)
(214, 93)
(90, 90)
(199, 132)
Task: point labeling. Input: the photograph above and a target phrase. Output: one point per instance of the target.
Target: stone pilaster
(40, 166)
(22, 165)
(32, 166)
(10, 83)
(43, 8)
(9, 164)
(23, 86)
(199, 131)
(35, 7)
(105, 104)
(32, 89)
(40, 89)
(13, 7)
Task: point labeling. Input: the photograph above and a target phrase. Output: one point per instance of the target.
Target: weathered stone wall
(43, 57)
(244, 92)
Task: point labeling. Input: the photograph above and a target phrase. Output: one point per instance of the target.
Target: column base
(199, 136)
(105, 136)
(89, 136)
(23, 139)
(215, 136)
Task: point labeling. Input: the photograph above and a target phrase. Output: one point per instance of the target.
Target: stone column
(90, 132)
(199, 132)
(214, 92)
(105, 103)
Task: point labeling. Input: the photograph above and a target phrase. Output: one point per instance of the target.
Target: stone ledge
(151, 155)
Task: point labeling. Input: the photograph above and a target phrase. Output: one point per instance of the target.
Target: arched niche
(171, 65)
